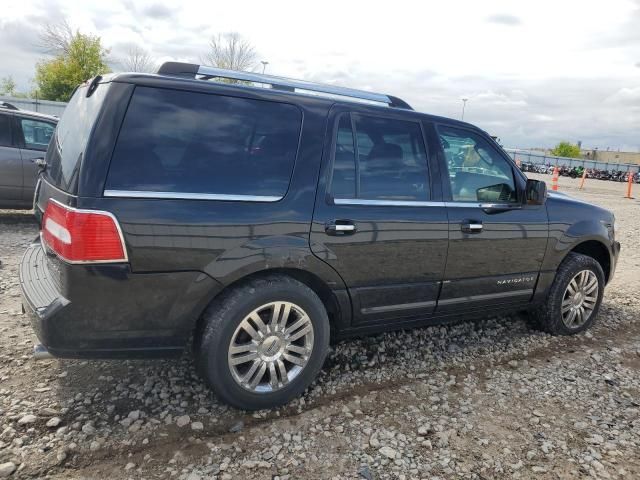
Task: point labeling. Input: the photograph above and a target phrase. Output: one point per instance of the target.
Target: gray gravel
(477, 400)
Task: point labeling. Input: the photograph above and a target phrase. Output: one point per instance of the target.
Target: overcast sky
(535, 72)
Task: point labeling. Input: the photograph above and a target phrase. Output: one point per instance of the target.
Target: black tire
(548, 316)
(226, 313)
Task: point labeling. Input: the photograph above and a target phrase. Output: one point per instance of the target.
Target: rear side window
(379, 159)
(67, 146)
(5, 131)
(196, 143)
(36, 134)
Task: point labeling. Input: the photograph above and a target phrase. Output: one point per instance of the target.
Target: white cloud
(535, 72)
(626, 97)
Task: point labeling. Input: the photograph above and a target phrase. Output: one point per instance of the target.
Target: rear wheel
(264, 342)
(574, 297)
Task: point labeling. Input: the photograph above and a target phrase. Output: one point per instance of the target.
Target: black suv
(255, 220)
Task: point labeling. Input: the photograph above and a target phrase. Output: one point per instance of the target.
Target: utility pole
(264, 65)
(464, 104)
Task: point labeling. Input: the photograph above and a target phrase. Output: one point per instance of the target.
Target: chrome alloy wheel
(579, 299)
(270, 347)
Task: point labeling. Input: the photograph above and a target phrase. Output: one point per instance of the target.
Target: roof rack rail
(192, 70)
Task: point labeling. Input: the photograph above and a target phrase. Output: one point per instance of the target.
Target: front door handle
(340, 228)
(471, 226)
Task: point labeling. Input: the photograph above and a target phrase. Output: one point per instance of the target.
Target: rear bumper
(41, 301)
(105, 311)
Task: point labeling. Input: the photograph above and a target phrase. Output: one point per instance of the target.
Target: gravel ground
(477, 400)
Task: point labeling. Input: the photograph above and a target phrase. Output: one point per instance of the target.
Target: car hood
(560, 201)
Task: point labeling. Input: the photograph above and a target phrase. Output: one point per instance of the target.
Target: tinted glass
(186, 142)
(5, 130)
(67, 146)
(37, 134)
(477, 171)
(343, 183)
(389, 163)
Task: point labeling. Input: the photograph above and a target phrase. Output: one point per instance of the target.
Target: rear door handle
(471, 226)
(340, 227)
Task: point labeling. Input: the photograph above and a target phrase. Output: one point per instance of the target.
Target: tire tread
(546, 316)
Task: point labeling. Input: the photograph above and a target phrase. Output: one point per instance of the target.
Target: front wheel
(574, 297)
(264, 342)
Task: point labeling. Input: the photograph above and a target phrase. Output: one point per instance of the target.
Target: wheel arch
(336, 302)
(596, 250)
(590, 237)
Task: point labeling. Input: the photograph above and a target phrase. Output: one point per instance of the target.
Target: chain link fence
(538, 158)
(36, 105)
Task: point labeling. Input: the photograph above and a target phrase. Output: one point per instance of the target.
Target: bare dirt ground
(476, 400)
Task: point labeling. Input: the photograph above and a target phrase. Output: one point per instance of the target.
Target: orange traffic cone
(629, 184)
(584, 175)
(554, 180)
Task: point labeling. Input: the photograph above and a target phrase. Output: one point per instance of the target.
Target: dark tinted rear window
(186, 142)
(67, 146)
(5, 130)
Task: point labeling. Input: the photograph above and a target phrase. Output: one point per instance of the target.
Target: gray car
(24, 137)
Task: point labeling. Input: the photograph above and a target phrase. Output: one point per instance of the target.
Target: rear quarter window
(180, 142)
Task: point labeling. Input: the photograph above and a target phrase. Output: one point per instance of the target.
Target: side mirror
(500, 192)
(536, 192)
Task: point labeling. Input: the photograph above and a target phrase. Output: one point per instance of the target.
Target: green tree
(8, 86)
(566, 149)
(84, 58)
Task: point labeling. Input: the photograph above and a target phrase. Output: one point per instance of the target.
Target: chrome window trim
(273, 198)
(508, 206)
(190, 196)
(387, 203)
(420, 203)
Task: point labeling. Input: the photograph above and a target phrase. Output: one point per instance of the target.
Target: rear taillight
(82, 236)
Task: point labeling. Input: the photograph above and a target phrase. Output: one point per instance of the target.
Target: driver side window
(477, 172)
